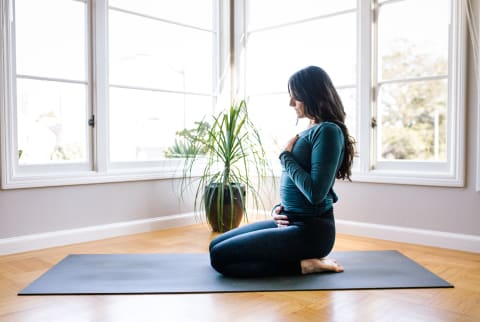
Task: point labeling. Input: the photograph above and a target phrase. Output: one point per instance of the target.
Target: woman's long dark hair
(315, 89)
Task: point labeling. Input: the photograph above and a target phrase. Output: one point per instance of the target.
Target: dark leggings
(262, 249)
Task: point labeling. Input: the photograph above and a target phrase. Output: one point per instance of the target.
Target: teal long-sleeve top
(309, 170)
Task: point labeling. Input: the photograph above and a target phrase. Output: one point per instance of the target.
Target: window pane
(260, 12)
(273, 55)
(275, 133)
(51, 119)
(413, 121)
(276, 120)
(192, 12)
(150, 53)
(143, 123)
(349, 101)
(51, 38)
(417, 48)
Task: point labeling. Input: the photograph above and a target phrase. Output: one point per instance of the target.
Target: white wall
(46, 217)
(40, 210)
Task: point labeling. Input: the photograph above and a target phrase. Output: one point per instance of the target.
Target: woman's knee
(212, 244)
(215, 261)
(220, 238)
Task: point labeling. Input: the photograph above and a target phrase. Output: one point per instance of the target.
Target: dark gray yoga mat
(191, 273)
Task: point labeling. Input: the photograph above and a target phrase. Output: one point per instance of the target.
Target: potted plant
(232, 165)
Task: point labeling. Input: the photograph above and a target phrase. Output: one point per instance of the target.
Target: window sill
(174, 170)
(439, 179)
(35, 177)
(90, 177)
(409, 178)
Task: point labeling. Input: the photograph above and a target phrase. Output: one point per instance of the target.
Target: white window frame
(366, 168)
(101, 169)
(450, 173)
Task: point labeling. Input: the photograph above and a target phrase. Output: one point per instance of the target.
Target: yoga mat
(192, 273)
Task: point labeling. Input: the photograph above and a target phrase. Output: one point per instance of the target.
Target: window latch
(91, 121)
(373, 123)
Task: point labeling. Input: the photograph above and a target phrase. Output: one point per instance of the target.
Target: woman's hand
(280, 220)
(291, 143)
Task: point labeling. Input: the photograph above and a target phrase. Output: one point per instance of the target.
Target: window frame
(366, 168)
(242, 35)
(449, 173)
(100, 168)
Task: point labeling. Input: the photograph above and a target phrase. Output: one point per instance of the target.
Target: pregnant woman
(302, 232)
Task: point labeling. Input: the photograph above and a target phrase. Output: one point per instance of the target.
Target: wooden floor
(461, 303)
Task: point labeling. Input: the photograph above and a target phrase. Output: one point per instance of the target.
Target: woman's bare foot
(318, 265)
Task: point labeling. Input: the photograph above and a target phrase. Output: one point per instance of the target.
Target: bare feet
(318, 265)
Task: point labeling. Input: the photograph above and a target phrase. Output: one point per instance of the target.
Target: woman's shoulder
(326, 127)
(326, 132)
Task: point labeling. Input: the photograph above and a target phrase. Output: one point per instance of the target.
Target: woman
(302, 232)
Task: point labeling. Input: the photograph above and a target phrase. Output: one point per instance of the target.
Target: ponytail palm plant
(233, 166)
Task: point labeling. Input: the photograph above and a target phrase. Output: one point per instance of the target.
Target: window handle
(91, 121)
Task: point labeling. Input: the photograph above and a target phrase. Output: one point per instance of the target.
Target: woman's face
(298, 106)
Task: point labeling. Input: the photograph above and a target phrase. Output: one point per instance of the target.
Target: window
(402, 84)
(51, 83)
(101, 98)
(157, 86)
(95, 91)
(298, 35)
(417, 113)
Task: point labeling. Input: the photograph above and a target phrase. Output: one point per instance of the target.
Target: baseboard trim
(79, 235)
(463, 242)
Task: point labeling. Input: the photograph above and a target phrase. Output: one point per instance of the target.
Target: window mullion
(100, 80)
(365, 80)
(457, 89)
(238, 48)
(7, 142)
